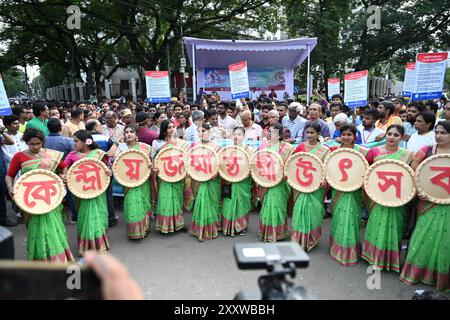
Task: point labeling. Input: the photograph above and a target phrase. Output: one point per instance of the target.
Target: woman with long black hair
(92, 221)
(137, 205)
(46, 233)
(428, 258)
(169, 212)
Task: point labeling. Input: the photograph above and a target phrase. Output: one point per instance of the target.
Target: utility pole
(184, 71)
(27, 86)
(168, 58)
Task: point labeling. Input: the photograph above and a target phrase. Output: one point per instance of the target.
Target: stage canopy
(284, 54)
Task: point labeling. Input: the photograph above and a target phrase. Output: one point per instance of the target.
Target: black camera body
(280, 260)
(6, 244)
(24, 280)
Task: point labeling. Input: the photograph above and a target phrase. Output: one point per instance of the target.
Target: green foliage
(407, 27)
(147, 34)
(14, 81)
(121, 33)
(447, 79)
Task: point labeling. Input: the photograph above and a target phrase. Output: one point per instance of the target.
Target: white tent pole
(307, 79)
(194, 84)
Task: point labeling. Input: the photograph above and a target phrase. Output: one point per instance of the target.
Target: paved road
(178, 266)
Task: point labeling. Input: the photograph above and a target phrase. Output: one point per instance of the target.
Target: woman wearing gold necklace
(205, 217)
(384, 231)
(428, 258)
(345, 242)
(169, 212)
(308, 209)
(46, 233)
(273, 224)
(137, 205)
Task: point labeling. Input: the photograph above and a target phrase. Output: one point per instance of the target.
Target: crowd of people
(53, 136)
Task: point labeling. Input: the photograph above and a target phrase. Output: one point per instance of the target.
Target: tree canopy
(345, 40)
(147, 34)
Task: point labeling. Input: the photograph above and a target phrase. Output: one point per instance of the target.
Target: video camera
(41, 280)
(280, 260)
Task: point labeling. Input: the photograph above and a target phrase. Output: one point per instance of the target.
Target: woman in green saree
(384, 230)
(205, 218)
(236, 209)
(307, 215)
(345, 233)
(92, 213)
(169, 212)
(137, 201)
(428, 258)
(46, 233)
(273, 225)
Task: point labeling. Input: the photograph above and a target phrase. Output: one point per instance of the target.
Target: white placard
(239, 80)
(355, 89)
(5, 108)
(334, 87)
(158, 87)
(429, 76)
(408, 82)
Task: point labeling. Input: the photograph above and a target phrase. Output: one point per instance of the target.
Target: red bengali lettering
(390, 178)
(305, 167)
(266, 166)
(133, 168)
(202, 162)
(172, 165)
(89, 173)
(232, 164)
(39, 190)
(437, 179)
(343, 165)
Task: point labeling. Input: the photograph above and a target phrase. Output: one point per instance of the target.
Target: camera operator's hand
(116, 282)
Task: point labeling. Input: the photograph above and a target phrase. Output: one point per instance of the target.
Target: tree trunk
(90, 83)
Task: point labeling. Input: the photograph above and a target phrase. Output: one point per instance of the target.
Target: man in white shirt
(253, 131)
(425, 136)
(191, 133)
(335, 109)
(253, 95)
(294, 122)
(413, 110)
(225, 120)
(112, 128)
(368, 131)
(12, 125)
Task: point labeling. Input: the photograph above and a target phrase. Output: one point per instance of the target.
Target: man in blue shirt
(314, 111)
(56, 140)
(95, 128)
(191, 133)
